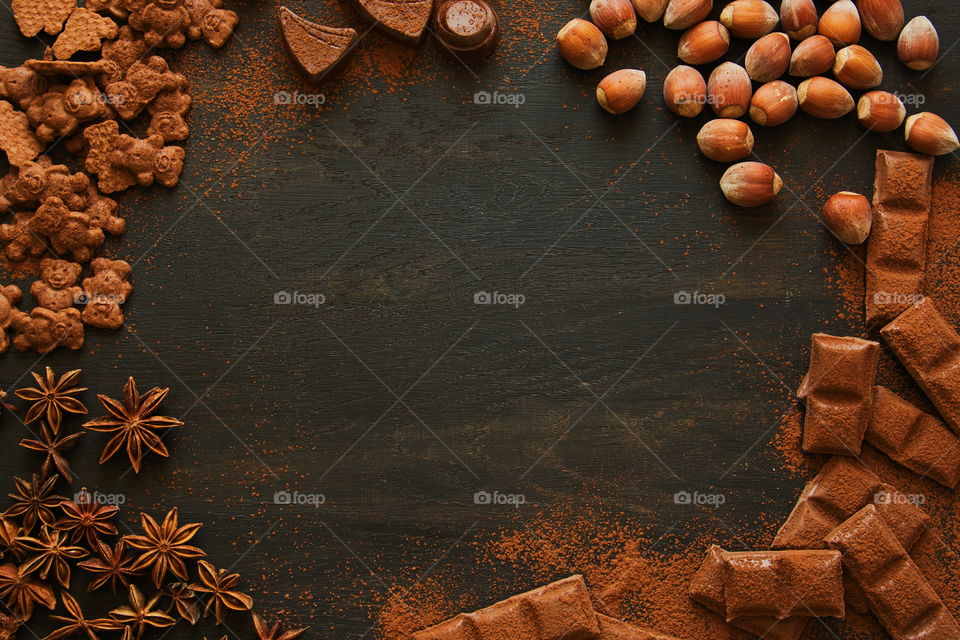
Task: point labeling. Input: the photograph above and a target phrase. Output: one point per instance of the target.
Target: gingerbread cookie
(16, 137)
(105, 291)
(164, 23)
(44, 330)
(121, 161)
(34, 16)
(210, 21)
(57, 287)
(85, 30)
(10, 297)
(69, 232)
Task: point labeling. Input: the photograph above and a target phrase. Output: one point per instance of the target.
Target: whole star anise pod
(76, 623)
(132, 422)
(51, 553)
(9, 532)
(9, 625)
(113, 565)
(142, 613)
(267, 632)
(220, 585)
(34, 501)
(165, 546)
(53, 397)
(184, 600)
(53, 445)
(87, 520)
(21, 591)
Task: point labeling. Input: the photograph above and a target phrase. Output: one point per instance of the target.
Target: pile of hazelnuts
(809, 47)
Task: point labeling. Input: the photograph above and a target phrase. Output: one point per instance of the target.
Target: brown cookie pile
(59, 217)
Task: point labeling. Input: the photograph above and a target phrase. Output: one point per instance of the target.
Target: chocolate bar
(316, 51)
(837, 391)
(613, 629)
(917, 440)
(929, 348)
(897, 247)
(707, 587)
(899, 595)
(560, 610)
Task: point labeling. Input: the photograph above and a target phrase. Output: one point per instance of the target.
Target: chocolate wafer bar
(899, 595)
(613, 629)
(707, 587)
(897, 248)
(929, 348)
(837, 391)
(560, 610)
(915, 439)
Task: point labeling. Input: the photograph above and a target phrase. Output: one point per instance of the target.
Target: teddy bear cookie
(21, 85)
(84, 31)
(103, 212)
(210, 21)
(120, 54)
(105, 291)
(59, 112)
(69, 232)
(164, 23)
(57, 288)
(167, 112)
(140, 85)
(44, 330)
(19, 239)
(121, 161)
(29, 185)
(10, 296)
(16, 138)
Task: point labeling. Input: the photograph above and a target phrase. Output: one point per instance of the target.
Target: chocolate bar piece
(317, 51)
(929, 348)
(897, 248)
(837, 391)
(917, 440)
(405, 20)
(560, 610)
(613, 629)
(899, 595)
(707, 587)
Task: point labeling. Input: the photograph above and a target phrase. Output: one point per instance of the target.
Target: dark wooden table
(399, 398)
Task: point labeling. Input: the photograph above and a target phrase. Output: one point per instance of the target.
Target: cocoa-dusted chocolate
(405, 20)
(899, 594)
(917, 440)
(316, 51)
(84, 31)
(613, 629)
(837, 392)
(34, 16)
(897, 247)
(466, 30)
(121, 161)
(707, 588)
(929, 348)
(560, 610)
(16, 137)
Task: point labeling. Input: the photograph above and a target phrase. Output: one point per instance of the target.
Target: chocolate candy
(613, 629)
(837, 391)
(929, 348)
(466, 30)
(560, 610)
(405, 20)
(708, 588)
(917, 440)
(897, 248)
(899, 595)
(316, 50)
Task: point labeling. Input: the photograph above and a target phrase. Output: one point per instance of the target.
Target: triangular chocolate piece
(316, 50)
(405, 20)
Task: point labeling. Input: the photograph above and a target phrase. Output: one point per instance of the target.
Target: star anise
(76, 623)
(9, 625)
(132, 421)
(185, 600)
(53, 445)
(219, 584)
(142, 613)
(267, 632)
(113, 565)
(21, 591)
(4, 403)
(9, 532)
(34, 501)
(53, 397)
(87, 519)
(165, 547)
(52, 553)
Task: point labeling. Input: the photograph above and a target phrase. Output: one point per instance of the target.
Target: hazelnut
(883, 19)
(703, 43)
(768, 58)
(621, 90)
(880, 111)
(685, 91)
(929, 133)
(729, 90)
(582, 44)
(919, 44)
(683, 14)
(840, 23)
(799, 18)
(812, 56)
(773, 104)
(848, 216)
(750, 184)
(855, 67)
(650, 10)
(615, 18)
(824, 98)
(725, 140)
(749, 18)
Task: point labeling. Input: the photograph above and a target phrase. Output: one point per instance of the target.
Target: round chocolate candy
(466, 30)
